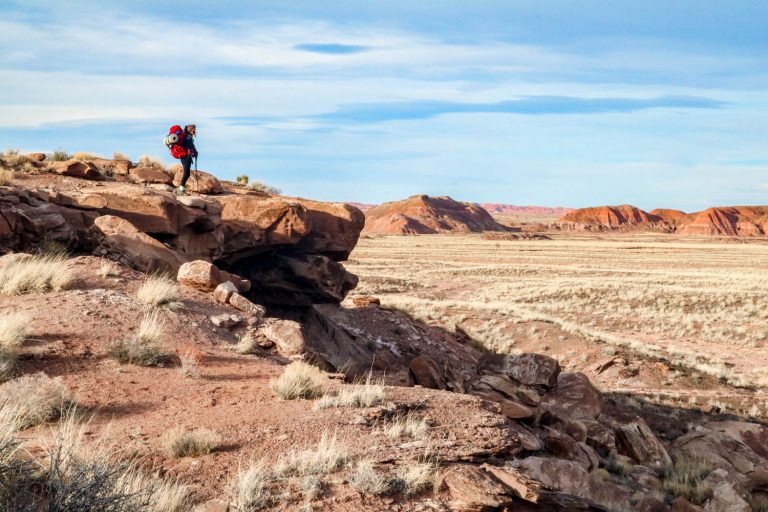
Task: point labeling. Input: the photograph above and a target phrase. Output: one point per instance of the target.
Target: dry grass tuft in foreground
(183, 443)
(107, 269)
(367, 480)
(415, 478)
(365, 394)
(327, 457)
(299, 380)
(408, 425)
(35, 399)
(14, 329)
(145, 348)
(160, 291)
(251, 490)
(686, 478)
(150, 161)
(25, 273)
(6, 176)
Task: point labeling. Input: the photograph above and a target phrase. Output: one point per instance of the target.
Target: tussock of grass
(145, 348)
(367, 480)
(415, 478)
(60, 155)
(120, 156)
(251, 491)
(247, 345)
(14, 329)
(327, 457)
(299, 380)
(261, 187)
(407, 425)
(107, 269)
(160, 291)
(365, 394)
(243, 180)
(190, 361)
(686, 478)
(183, 443)
(84, 156)
(35, 399)
(150, 161)
(35, 274)
(13, 161)
(311, 487)
(6, 175)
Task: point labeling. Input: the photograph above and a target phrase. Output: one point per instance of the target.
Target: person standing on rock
(181, 143)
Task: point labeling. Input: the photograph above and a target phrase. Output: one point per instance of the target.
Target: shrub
(145, 347)
(35, 399)
(60, 155)
(173, 169)
(415, 478)
(150, 161)
(183, 443)
(366, 394)
(13, 161)
(686, 478)
(327, 457)
(367, 480)
(160, 291)
(408, 425)
(190, 360)
(299, 380)
(243, 180)
(311, 487)
(6, 175)
(262, 187)
(251, 488)
(247, 345)
(40, 273)
(84, 156)
(14, 329)
(120, 156)
(107, 269)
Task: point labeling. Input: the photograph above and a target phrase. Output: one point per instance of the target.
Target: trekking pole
(195, 175)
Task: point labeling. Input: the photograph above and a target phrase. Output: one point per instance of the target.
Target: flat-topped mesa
(289, 248)
(605, 218)
(422, 214)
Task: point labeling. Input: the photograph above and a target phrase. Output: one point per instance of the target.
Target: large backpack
(175, 141)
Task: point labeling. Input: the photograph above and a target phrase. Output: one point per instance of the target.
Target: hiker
(181, 142)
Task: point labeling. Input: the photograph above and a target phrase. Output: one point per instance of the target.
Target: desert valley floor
(693, 307)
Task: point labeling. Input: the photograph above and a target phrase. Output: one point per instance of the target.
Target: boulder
(150, 175)
(636, 440)
(565, 447)
(199, 182)
(475, 489)
(132, 247)
(683, 505)
(724, 498)
(521, 486)
(224, 291)
(650, 504)
(515, 410)
(77, 169)
(427, 373)
(365, 301)
(36, 157)
(527, 369)
(287, 336)
(256, 311)
(201, 275)
(575, 396)
(507, 387)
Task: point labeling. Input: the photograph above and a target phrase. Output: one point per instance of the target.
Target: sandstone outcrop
(423, 214)
(605, 218)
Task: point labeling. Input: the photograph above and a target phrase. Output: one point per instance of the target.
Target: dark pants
(186, 163)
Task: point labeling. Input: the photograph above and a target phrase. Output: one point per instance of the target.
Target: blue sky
(653, 103)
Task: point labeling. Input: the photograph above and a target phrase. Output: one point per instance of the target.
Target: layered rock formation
(290, 249)
(423, 214)
(718, 221)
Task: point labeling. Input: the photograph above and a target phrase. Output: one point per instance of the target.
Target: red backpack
(175, 141)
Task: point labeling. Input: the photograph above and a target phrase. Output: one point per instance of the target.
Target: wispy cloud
(331, 48)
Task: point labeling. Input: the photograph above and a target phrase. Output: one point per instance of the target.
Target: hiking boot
(181, 191)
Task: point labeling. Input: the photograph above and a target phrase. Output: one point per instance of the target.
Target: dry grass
(686, 478)
(13, 161)
(691, 303)
(6, 175)
(365, 394)
(35, 274)
(145, 348)
(150, 161)
(190, 363)
(160, 291)
(243, 180)
(84, 156)
(407, 425)
(247, 344)
(14, 329)
(60, 155)
(120, 156)
(180, 442)
(107, 269)
(416, 478)
(328, 456)
(34, 399)
(251, 491)
(262, 187)
(367, 480)
(299, 380)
